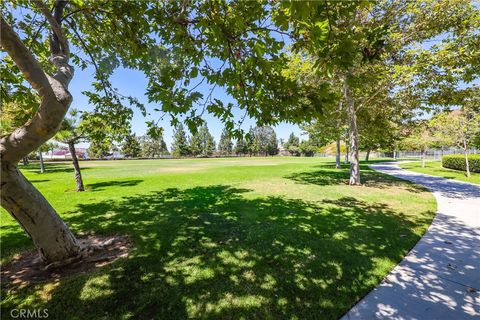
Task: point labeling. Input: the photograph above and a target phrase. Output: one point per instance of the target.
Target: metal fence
(431, 154)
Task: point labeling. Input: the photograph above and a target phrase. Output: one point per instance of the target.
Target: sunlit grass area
(435, 168)
(250, 238)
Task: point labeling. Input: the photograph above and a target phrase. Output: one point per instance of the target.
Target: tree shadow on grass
(327, 175)
(98, 186)
(216, 252)
(51, 167)
(38, 180)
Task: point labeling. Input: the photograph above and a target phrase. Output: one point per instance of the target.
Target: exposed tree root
(96, 251)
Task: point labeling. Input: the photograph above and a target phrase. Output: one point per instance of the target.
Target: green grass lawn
(268, 238)
(435, 168)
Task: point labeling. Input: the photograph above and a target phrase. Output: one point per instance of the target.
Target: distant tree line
(259, 141)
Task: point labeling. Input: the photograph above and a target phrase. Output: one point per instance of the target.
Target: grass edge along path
(434, 168)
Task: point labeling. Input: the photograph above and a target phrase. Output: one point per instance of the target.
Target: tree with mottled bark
(18, 196)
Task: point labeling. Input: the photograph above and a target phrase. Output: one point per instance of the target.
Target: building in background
(62, 153)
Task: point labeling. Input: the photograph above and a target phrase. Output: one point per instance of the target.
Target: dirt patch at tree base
(28, 267)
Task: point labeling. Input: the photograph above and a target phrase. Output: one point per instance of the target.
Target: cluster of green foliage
(99, 149)
(152, 145)
(180, 145)
(296, 147)
(292, 145)
(458, 128)
(225, 145)
(131, 147)
(241, 147)
(144, 146)
(262, 141)
(457, 162)
(202, 143)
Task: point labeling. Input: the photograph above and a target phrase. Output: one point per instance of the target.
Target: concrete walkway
(440, 276)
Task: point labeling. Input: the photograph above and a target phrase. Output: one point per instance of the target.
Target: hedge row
(457, 162)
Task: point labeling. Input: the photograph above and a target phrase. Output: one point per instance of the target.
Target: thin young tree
(461, 126)
(72, 133)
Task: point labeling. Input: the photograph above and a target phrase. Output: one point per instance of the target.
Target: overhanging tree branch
(55, 98)
(23, 58)
(54, 24)
(370, 98)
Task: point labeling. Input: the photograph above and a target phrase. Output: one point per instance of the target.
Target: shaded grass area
(435, 168)
(283, 240)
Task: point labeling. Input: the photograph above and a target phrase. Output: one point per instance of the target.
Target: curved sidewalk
(440, 276)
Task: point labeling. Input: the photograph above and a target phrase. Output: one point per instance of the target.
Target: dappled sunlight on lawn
(209, 251)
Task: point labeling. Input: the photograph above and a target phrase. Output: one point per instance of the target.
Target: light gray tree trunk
(36, 216)
(337, 154)
(347, 152)
(467, 163)
(42, 165)
(76, 167)
(354, 137)
(423, 158)
(54, 241)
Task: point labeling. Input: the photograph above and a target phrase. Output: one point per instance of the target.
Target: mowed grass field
(239, 238)
(435, 168)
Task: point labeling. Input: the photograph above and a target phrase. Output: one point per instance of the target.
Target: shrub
(457, 162)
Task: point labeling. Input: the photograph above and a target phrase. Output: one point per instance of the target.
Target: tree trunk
(467, 163)
(32, 211)
(367, 156)
(423, 158)
(25, 161)
(19, 197)
(347, 152)
(337, 154)
(76, 168)
(42, 165)
(354, 138)
(394, 155)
